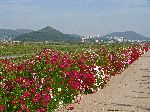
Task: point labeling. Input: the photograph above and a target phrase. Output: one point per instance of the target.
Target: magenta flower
(23, 85)
(26, 94)
(33, 90)
(37, 97)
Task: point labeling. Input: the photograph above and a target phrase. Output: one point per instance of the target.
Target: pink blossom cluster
(53, 78)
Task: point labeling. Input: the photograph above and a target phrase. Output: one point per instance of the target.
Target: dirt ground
(126, 92)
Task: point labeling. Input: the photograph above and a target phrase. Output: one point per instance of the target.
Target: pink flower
(50, 69)
(22, 106)
(28, 81)
(23, 85)
(43, 93)
(33, 90)
(38, 85)
(40, 110)
(37, 97)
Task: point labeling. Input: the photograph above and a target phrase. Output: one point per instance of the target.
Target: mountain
(75, 36)
(47, 34)
(129, 35)
(23, 31)
(9, 33)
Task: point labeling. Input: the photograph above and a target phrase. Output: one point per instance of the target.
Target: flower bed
(53, 78)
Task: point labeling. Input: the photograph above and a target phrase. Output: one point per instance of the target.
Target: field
(7, 49)
(48, 76)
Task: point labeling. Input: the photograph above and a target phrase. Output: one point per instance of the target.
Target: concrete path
(128, 92)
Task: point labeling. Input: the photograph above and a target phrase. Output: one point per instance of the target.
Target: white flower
(96, 68)
(102, 72)
(97, 75)
(61, 102)
(41, 86)
(51, 94)
(103, 76)
(48, 49)
(98, 89)
(59, 89)
(81, 81)
(37, 56)
(42, 80)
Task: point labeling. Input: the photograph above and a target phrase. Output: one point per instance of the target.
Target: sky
(83, 17)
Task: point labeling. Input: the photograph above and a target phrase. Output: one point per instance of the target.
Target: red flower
(22, 101)
(71, 107)
(26, 94)
(2, 107)
(48, 88)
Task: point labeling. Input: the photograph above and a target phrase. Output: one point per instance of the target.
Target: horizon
(82, 17)
(78, 34)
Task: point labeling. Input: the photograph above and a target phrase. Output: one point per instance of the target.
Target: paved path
(128, 92)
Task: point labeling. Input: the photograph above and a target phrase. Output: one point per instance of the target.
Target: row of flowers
(53, 78)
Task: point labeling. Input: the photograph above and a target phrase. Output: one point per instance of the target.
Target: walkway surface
(128, 92)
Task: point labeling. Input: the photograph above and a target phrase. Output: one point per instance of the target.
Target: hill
(47, 34)
(129, 35)
(75, 36)
(9, 33)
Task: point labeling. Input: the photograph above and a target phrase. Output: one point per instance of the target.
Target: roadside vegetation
(56, 75)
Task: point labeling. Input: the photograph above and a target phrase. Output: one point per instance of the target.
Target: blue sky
(84, 17)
